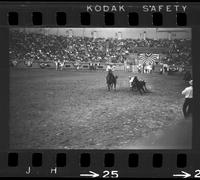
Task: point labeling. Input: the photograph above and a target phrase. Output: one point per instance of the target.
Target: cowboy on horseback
(111, 80)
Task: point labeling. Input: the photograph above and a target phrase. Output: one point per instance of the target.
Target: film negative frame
(97, 163)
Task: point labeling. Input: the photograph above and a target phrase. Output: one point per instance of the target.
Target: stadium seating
(41, 48)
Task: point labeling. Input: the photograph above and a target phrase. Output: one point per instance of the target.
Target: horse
(111, 80)
(140, 85)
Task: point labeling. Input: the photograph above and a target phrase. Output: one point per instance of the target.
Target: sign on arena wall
(148, 58)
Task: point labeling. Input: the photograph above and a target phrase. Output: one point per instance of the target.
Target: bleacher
(39, 48)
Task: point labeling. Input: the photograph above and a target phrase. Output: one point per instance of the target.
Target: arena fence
(68, 65)
(86, 66)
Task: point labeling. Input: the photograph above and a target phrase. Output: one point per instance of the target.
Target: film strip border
(85, 18)
(131, 164)
(109, 160)
(100, 164)
(99, 14)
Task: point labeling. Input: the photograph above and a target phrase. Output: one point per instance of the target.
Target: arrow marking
(183, 175)
(92, 174)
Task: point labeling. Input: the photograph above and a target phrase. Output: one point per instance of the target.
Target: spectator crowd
(41, 47)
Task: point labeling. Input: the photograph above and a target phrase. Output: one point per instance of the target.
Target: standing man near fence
(188, 93)
(130, 81)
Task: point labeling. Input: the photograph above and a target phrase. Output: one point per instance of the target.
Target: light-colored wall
(133, 33)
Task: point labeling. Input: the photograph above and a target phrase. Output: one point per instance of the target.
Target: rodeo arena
(100, 88)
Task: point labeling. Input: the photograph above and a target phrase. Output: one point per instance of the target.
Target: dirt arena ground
(73, 110)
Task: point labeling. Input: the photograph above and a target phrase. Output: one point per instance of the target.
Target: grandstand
(43, 46)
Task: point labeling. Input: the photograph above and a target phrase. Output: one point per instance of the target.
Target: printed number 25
(112, 174)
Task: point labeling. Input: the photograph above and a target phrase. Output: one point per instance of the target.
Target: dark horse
(111, 80)
(139, 85)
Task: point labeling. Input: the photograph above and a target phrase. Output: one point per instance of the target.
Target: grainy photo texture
(100, 88)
